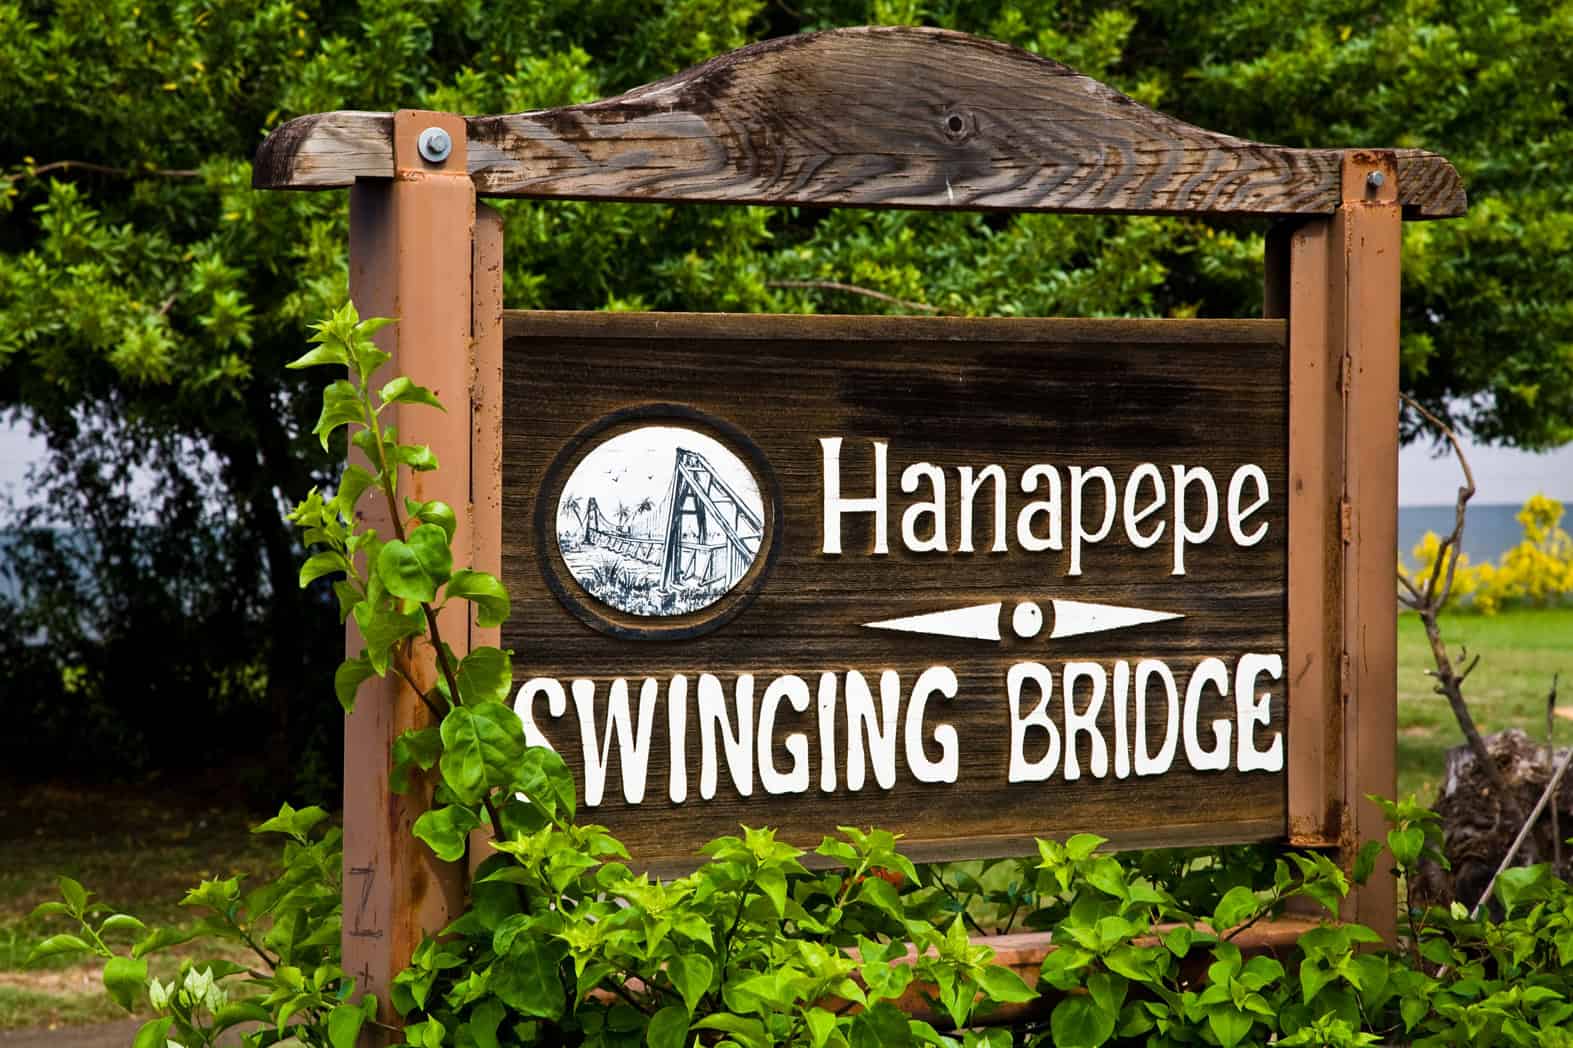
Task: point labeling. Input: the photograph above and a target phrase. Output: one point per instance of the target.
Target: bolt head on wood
(434, 144)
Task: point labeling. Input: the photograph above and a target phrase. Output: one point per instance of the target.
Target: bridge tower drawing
(698, 494)
(705, 537)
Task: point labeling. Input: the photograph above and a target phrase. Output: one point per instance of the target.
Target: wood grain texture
(870, 117)
(951, 392)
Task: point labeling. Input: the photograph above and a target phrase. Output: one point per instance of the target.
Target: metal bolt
(1375, 180)
(434, 144)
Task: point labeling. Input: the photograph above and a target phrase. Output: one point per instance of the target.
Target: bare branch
(1428, 604)
(1523, 833)
(1449, 550)
(66, 166)
(854, 289)
(1413, 599)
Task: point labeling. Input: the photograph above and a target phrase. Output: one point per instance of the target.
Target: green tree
(148, 295)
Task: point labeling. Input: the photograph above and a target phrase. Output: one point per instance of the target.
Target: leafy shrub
(562, 943)
(1537, 572)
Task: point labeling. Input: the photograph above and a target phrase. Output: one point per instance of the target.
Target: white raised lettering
(1237, 514)
(1146, 764)
(1021, 769)
(739, 746)
(1183, 478)
(934, 508)
(939, 680)
(1250, 711)
(969, 491)
(1026, 537)
(835, 505)
(1133, 516)
(1085, 722)
(1079, 534)
(1214, 672)
(880, 733)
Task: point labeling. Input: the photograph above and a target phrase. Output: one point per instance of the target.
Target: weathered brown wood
(1013, 392)
(893, 116)
(410, 258)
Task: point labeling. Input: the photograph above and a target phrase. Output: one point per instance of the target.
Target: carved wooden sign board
(973, 581)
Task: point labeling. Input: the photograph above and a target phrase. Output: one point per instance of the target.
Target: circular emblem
(655, 522)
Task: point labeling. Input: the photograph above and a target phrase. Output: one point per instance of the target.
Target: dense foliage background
(148, 298)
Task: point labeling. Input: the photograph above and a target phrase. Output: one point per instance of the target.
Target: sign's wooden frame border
(910, 118)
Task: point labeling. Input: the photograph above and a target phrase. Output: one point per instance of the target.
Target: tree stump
(1478, 832)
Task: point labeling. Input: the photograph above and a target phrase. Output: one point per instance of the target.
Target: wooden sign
(972, 581)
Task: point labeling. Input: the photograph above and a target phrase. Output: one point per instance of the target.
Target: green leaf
(329, 351)
(154, 1034)
(413, 569)
(1238, 904)
(446, 830)
(418, 748)
(297, 824)
(348, 678)
(483, 1023)
(417, 457)
(527, 979)
(124, 978)
(120, 922)
(382, 628)
(821, 1024)
(164, 936)
(55, 946)
(353, 483)
(341, 405)
(404, 391)
(482, 748)
(1004, 986)
(485, 592)
(1078, 1022)
(344, 1024)
(748, 1032)
(74, 894)
(1406, 844)
(691, 974)
(1365, 860)
(435, 512)
(1228, 1025)
(485, 675)
(668, 1027)
(320, 564)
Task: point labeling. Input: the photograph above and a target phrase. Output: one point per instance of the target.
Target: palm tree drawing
(645, 506)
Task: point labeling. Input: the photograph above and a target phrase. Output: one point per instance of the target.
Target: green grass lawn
(1519, 649)
(139, 848)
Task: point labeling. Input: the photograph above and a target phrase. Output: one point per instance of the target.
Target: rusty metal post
(486, 433)
(411, 244)
(1316, 551)
(1338, 280)
(1367, 236)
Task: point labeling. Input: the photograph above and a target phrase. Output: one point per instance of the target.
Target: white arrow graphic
(1075, 617)
(982, 621)
(979, 622)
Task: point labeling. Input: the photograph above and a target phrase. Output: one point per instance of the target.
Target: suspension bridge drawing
(659, 521)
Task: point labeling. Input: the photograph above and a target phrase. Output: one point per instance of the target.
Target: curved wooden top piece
(869, 117)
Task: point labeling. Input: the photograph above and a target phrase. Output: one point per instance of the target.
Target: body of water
(1489, 531)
